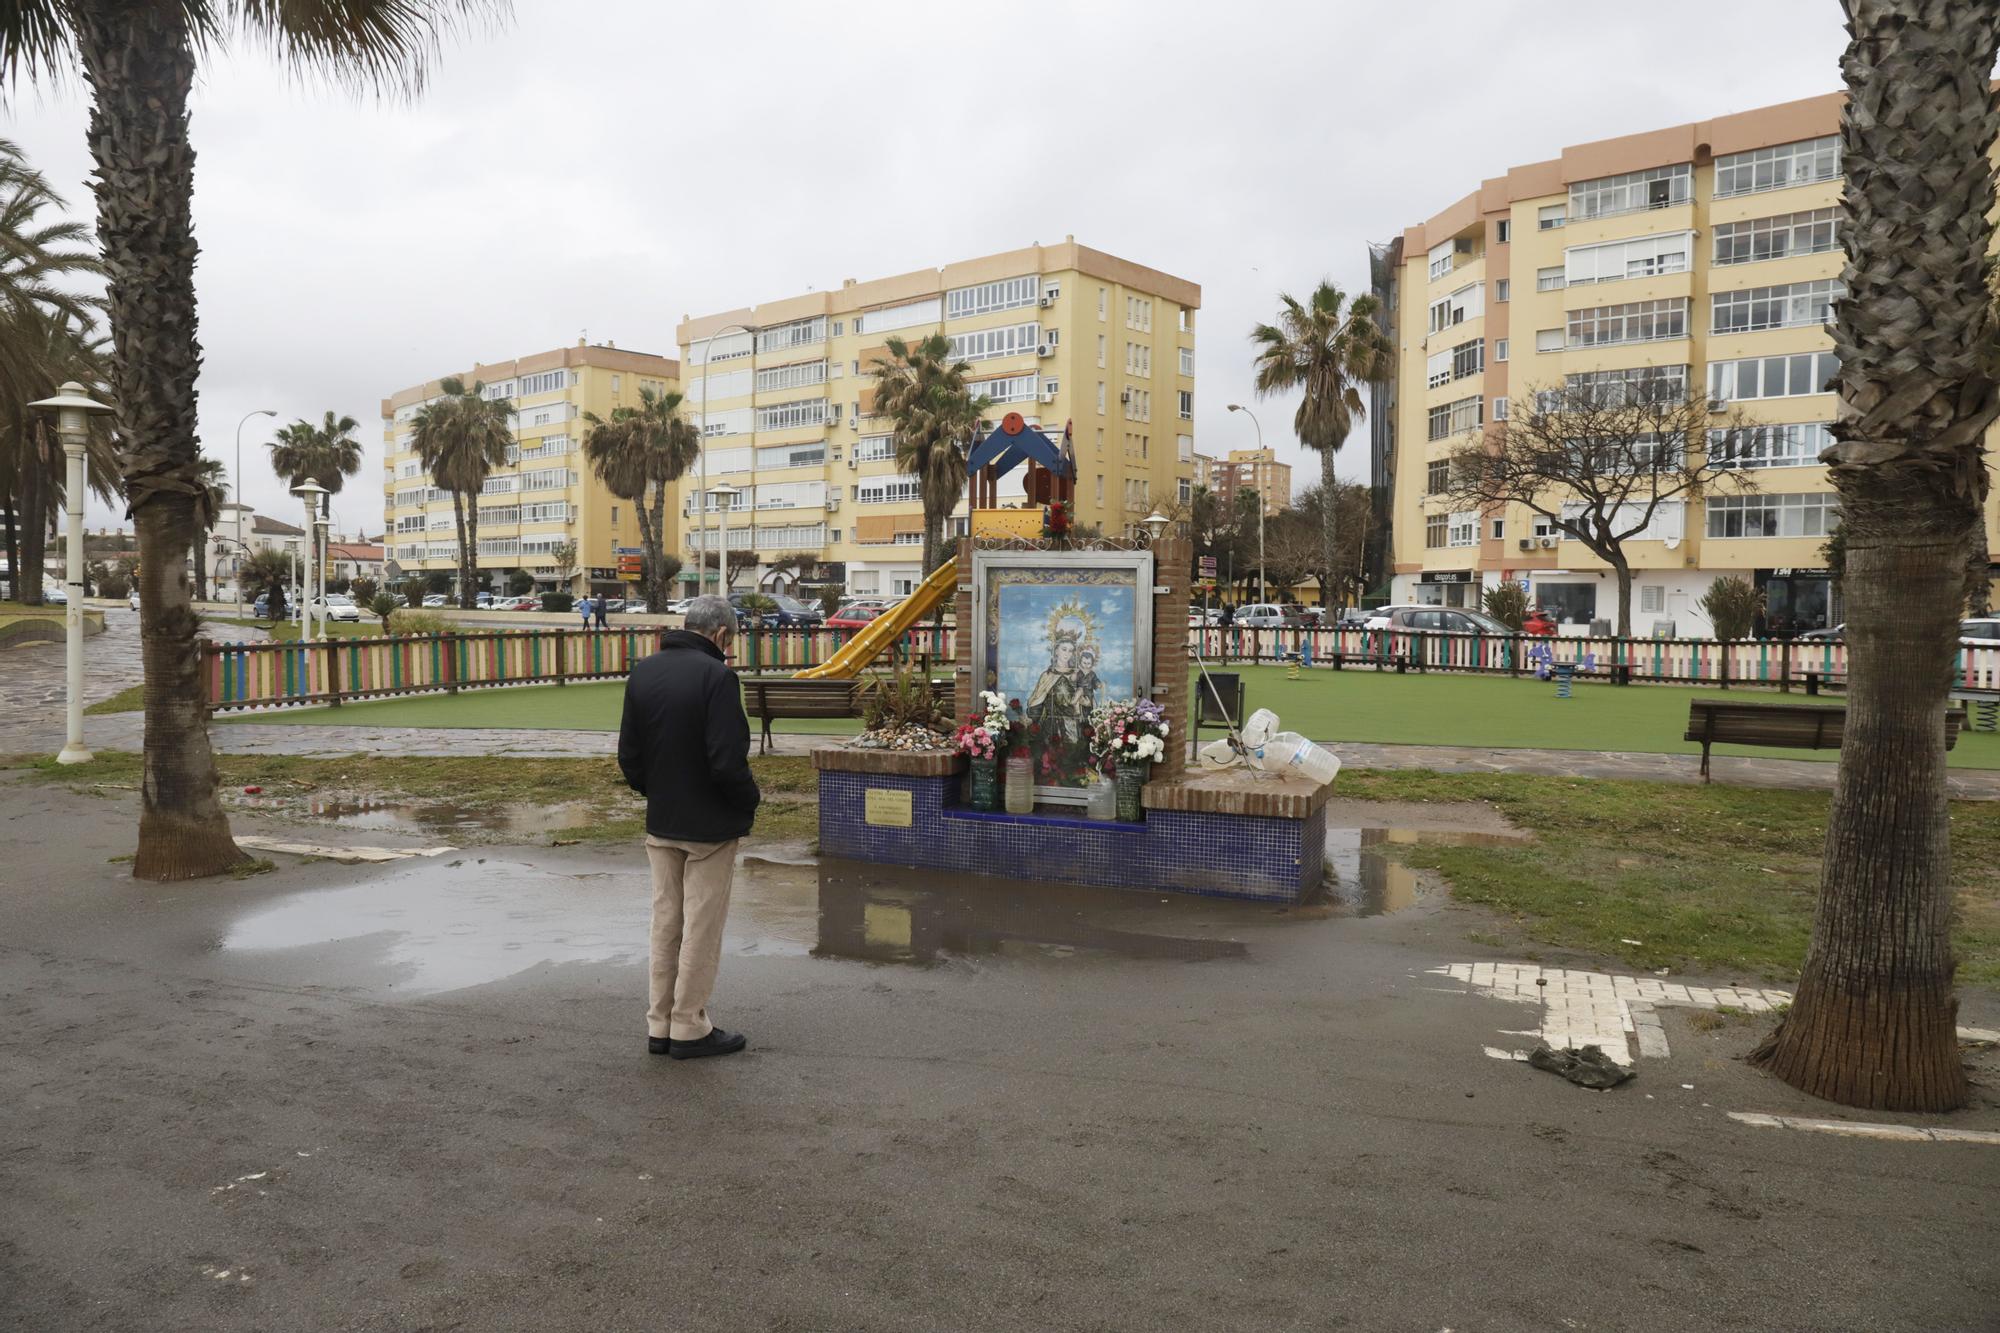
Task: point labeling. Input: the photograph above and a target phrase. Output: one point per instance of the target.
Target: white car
(435, 599)
(679, 606)
(339, 606)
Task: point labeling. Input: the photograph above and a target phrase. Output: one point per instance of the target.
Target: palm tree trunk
(657, 592)
(1872, 1023)
(35, 514)
(200, 551)
(468, 593)
(7, 512)
(458, 531)
(140, 65)
(1329, 578)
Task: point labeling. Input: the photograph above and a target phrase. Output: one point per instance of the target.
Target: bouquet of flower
(983, 731)
(1058, 519)
(1130, 730)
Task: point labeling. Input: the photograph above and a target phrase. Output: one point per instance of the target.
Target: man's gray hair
(706, 615)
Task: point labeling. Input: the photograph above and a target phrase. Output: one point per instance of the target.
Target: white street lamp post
(310, 492)
(725, 495)
(1263, 594)
(73, 408)
(238, 498)
(701, 553)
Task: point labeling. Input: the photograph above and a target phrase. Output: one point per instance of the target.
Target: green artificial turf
(1352, 705)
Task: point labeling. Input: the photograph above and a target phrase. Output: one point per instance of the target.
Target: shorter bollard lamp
(1155, 524)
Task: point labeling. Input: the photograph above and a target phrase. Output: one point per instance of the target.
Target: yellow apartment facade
(545, 495)
(1063, 334)
(1706, 255)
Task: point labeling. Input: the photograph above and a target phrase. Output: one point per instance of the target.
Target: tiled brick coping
(1254, 854)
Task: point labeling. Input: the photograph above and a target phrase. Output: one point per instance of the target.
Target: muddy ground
(415, 1096)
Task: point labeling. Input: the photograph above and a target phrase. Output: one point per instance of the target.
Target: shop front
(1796, 600)
(1448, 587)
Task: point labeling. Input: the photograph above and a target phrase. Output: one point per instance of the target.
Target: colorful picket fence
(1811, 665)
(265, 675)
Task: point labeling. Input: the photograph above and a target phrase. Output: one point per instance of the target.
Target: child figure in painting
(1087, 683)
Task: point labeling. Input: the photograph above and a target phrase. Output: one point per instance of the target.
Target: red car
(853, 617)
(1538, 623)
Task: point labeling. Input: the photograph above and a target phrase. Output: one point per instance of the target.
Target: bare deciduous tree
(1601, 459)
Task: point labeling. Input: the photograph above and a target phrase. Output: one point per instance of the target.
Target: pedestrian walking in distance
(684, 745)
(597, 612)
(583, 609)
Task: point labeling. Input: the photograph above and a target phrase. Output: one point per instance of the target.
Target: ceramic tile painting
(1063, 634)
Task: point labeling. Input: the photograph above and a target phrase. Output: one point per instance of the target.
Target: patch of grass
(1711, 879)
(128, 700)
(255, 865)
(119, 860)
(1703, 1020)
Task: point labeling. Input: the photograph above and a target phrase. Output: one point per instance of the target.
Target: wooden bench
(788, 698)
(1783, 726)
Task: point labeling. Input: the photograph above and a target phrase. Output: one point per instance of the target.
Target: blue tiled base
(1226, 856)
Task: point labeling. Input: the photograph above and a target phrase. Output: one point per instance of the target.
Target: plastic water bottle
(1260, 727)
(1290, 753)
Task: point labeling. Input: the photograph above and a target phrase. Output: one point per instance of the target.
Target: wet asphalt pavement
(414, 1096)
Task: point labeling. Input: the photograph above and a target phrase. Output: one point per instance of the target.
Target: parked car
(1832, 635)
(338, 606)
(1353, 618)
(1447, 620)
(54, 596)
(262, 606)
(634, 607)
(613, 604)
(1983, 632)
(435, 599)
(795, 614)
(677, 607)
(853, 617)
(1271, 615)
(1379, 617)
(484, 601)
(528, 603)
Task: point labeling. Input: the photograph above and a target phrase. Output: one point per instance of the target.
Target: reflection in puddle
(477, 920)
(1365, 882)
(426, 816)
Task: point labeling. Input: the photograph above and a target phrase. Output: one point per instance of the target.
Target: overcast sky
(610, 165)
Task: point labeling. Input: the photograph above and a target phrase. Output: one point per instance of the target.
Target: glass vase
(983, 784)
(1101, 799)
(1020, 784)
(1132, 774)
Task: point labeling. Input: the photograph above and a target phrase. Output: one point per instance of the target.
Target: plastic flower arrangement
(1130, 730)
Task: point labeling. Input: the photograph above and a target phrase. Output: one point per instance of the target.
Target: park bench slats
(788, 698)
(1781, 726)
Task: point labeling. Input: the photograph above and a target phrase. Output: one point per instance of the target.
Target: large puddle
(427, 817)
(1363, 880)
(470, 919)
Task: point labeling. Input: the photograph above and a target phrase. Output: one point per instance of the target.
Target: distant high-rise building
(1251, 470)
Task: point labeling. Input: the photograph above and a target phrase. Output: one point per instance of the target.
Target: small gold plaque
(881, 805)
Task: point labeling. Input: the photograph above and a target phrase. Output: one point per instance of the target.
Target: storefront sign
(600, 572)
(1448, 576)
(1800, 573)
(882, 805)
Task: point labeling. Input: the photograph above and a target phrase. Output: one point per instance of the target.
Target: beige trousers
(690, 899)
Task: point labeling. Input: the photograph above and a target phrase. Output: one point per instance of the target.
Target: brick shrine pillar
(1172, 561)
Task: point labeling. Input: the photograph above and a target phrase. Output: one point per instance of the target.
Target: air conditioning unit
(1045, 349)
(1048, 299)
(833, 504)
(1718, 404)
(1048, 395)
(1124, 395)
(1548, 543)
(853, 463)
(1526, 544)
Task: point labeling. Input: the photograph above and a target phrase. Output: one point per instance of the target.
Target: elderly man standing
(685, 746)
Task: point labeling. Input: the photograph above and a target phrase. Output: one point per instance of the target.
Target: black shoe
(658, 1045)
(717, 1042)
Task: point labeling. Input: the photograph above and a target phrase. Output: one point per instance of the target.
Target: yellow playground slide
(886, 628)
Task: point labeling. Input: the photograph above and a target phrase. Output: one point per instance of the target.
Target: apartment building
(1700, 258)
(1250, 470)
(1062, 334)
(545, 495)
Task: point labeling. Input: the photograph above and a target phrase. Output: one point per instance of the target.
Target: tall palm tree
(462, 435)
(933, 417)
(47, 336)
(1327, 347)
(138, 59)
(1872, 1022)
(327, 453)
(215, 479)
(638, 452)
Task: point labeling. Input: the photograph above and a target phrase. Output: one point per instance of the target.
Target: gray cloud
(613, 165)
